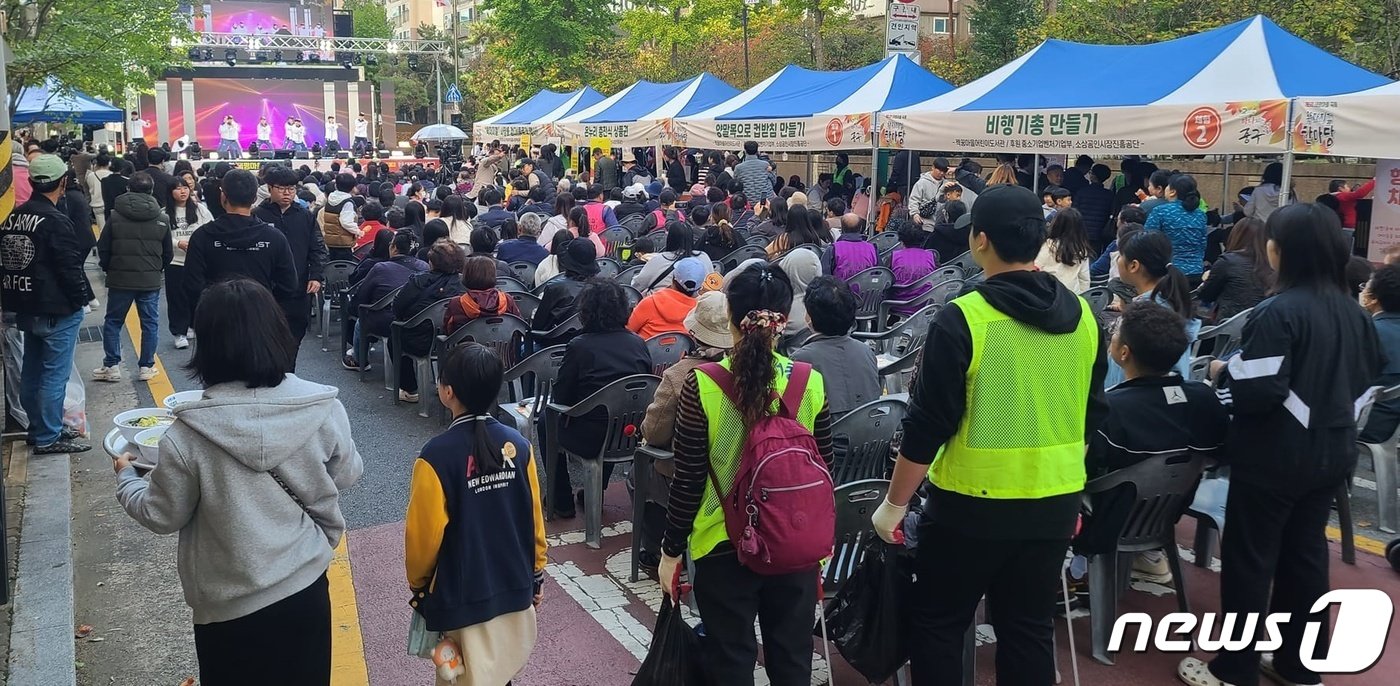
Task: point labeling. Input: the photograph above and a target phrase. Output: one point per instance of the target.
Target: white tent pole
(1225, 185)
(874, 169)
(1285, 197)
(1035, 175)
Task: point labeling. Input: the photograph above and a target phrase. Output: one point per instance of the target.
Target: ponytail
(1175, 290)
(475, 374)
(760, 298)
(1153, 250)
(1186, 191)
(579, 218)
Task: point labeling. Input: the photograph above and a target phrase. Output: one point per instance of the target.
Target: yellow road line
(1364, 543)
(347, 644)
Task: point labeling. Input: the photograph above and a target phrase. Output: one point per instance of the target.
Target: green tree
(548, 41)
(102, 47)
(1001, 29)
(815, 15)
(370, 17)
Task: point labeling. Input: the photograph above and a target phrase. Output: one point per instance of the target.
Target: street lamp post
(746, 40)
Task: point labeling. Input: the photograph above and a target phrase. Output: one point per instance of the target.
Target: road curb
(42, 652)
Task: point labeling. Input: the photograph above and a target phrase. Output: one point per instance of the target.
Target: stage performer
(296, 135)
(332, 136)
(361, 142)
(228, 139)
(136, 128)
(264, 134)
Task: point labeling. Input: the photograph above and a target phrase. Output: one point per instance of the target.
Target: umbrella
(440, 132)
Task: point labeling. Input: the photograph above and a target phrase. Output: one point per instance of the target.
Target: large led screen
(252, 17)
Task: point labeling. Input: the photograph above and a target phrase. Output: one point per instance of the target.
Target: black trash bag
(865, 618)
(674, 657)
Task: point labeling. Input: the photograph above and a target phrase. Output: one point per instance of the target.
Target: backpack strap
(796, 388)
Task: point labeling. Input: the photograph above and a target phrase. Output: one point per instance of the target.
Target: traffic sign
(902, 31)
(454, 94)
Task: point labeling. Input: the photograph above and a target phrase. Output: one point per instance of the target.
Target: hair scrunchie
(762, 320)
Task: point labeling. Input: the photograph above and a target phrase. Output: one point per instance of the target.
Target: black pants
(1277, 536)
(298, 311)
(1019, 578)
(729, 596)
(177, 300)
(287, 643)
(343, 254)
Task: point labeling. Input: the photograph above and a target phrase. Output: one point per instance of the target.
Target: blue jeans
(49, 342)
(147, 308)
(229, 150)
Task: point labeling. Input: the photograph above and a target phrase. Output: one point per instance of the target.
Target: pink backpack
(781, 512)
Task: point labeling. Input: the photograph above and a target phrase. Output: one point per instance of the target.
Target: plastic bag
(674, 657)
(75, 403)
(864, 619)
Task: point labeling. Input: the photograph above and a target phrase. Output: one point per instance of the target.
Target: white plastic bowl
(174, 399)
(150, 453)
(129, 432)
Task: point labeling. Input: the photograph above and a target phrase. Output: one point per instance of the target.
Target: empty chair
(422, 364)
(907, 334)
(1208, 509)
(625, 276)
(1200, 367)
(608, 267)
(362, 343)
(524, 273)
(1384, 463)
(893, 369)
(617, 239)
(855, 503)
(625, 402)
(869, 287)
(1161, 487)
(745, 252)
(510, 285)
(1225, 337)
(944, 293)
(1098, 298)
(337, 278)
(885, 241)
(941, 294)
(861, 441)
(667, 349)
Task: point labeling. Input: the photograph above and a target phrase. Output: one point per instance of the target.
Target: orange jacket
(661, 312)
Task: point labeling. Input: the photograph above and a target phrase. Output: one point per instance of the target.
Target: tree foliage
(102, 47)
(370, 18)
(1001, 29)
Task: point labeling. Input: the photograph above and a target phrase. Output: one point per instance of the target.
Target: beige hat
(708, 323)
(798, 199)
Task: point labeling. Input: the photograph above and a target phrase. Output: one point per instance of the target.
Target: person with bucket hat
(559, 301)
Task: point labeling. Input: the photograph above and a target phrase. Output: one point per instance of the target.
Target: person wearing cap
(636, 173)
(633, 202)
(1001, 436)
(42, 282)
(665, 310)
(708, 325)
(578, 262)
(602, 353)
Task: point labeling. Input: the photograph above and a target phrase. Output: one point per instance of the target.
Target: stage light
(348, 64)
(231, 57)
(371, 60)
(277, 56)
(208, 55)
(315, 58)
(194, 54)
(301, 57)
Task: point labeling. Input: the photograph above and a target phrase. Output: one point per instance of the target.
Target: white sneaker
(406, 397)
(182, 342)
(189, 334)
(1266, 666)
(146, 374)
(1194, 672)
(1156, 571)
(113, 373)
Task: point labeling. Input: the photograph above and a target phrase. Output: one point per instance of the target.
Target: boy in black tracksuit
(305, 240)
(240, 245)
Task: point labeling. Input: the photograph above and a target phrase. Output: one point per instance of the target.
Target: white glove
(889, 521)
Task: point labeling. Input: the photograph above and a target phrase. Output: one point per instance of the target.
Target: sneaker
(1156, 572)
(61, 446)
(1193, 672)
(349, 362)
(113, 373)
(406, 397)
(189, 334)
(182, 342)
(1266, 666)
(147, 373)
(67, 434)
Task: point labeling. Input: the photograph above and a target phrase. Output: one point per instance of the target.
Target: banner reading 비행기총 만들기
(1254, 127)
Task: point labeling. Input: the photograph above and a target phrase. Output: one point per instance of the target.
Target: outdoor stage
(323, 164)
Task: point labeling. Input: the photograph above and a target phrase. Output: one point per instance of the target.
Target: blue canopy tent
(52, 102)
(543, 107)
(641, 113)
(1224, 91)
(800, 109)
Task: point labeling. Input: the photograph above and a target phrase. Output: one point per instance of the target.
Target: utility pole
(456, 38)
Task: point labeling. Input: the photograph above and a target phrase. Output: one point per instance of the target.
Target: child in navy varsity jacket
(474, 536)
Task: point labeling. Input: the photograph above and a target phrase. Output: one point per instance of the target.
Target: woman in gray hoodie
(250, 476)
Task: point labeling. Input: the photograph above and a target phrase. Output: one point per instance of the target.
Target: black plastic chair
(667, 349)
(744, 252)
(422, 364)
(527, 303)
(907, 334)
(965, 263)
(891, 370)
(942, 293)
(625, 276)
(1225, 337)
(643, 463)
(855, 503)
(625, 402)
(633, 224)
(336, 278)
(510, 285)
(869, 286)
(362, 344)
(759, 240)
(525, 390)
(608, 267)
(617, 239)
(1098, 298)
(504, 334)
(564, 330)
(861, 441)
(1162, 487)
(634, 296)
(885, 241)
(524, 273)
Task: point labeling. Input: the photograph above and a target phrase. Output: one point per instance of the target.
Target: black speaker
(283, 154)
(304, 155)
(343, 23)
(266, 154)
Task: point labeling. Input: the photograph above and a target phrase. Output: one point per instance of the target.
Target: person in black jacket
(75, 204)
(1095, 205)
(135, 249)
(442, 280)
(114, 185)
(42, 282)
(675, 171)
(239, 244)
(559, 301)
(209, 187)
(163, 181)
(307, 244)
(1310, 356)
(605, 352)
